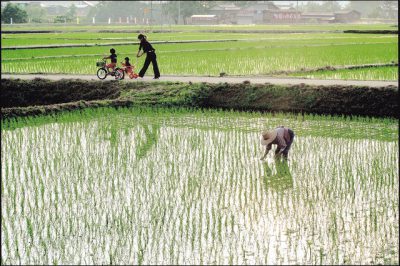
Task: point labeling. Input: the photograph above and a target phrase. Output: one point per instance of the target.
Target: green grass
(253, 54)
(158, 185)
(372, 73)
(250, 60)
(192, 28)
(26, 39)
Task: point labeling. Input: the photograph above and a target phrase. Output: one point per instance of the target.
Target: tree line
(175, 11)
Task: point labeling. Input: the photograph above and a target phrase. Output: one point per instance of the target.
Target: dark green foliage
(14, 12)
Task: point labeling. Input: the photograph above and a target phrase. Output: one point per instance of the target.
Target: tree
(311, 6)
(375, 9)
(389, 9)
(71, 13)
(182, 9)
(36, 13)
(14, 12)
(366, 8)
(330, 6)
(116, 9)
(243, 3)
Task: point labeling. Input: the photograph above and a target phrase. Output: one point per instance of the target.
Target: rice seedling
(251, 54)
(381, 73)
(181, 186)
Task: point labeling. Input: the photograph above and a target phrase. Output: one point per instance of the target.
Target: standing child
(128, 68)
(113, 58)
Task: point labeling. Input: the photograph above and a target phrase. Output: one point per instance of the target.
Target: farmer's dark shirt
(282, 138)
(146, 46)
(113, 58)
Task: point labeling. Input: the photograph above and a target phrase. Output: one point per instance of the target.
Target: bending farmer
(281, 136)
(151, 56)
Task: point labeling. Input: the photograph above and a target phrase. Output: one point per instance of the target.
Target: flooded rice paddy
(181, 187)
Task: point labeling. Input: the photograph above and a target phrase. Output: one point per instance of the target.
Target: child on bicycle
(113, 58)
(128, 68)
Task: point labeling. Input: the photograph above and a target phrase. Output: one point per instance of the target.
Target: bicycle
(103, 71)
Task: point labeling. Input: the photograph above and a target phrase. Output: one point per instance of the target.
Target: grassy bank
(39, 96)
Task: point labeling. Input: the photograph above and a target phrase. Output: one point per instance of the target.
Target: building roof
(203, 16)
(243, 14)
(286, 8)
(226, 7)
(318, 14)
(261, 6)
(281, 6)
(283, 11)
(91, 3)
(346, 12)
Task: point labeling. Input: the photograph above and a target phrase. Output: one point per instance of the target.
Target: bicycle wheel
(119, 74)
(102, 73)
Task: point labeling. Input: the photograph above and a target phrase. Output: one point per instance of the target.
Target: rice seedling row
(381, 73)
(176, 186)
(85, 37)
(196, 59)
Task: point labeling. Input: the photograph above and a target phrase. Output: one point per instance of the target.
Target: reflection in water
(150, 140)
(157, 193)
(280, 179)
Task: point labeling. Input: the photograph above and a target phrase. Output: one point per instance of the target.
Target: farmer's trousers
(150, 57)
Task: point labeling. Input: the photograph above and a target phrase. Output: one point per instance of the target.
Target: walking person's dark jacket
(151, 57)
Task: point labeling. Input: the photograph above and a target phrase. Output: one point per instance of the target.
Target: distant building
(266, 12)
(289, 15)
(347, 16)
(330, 17)
(57, 8)
(203, 20)
(317, 17)
(226, 13)
(254, 14)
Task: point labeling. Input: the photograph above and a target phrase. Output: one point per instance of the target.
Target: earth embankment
(42, 96)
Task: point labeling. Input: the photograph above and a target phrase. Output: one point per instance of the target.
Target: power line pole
(179, 11)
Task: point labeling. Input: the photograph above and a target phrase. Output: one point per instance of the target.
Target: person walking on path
(151, 57)
(282, 137)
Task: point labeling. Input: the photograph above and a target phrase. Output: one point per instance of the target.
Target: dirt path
(228, 79)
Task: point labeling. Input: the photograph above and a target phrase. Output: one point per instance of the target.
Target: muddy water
(132, 192)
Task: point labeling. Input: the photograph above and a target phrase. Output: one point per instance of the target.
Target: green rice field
(236, 53)
(181, 186)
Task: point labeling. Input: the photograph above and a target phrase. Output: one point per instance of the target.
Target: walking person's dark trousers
(150, 57)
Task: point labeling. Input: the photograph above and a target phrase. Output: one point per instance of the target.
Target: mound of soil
(332, 100)
(23, 93)
(40, 96)
(373, 31)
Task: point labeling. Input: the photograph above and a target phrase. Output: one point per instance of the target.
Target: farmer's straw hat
(267, 137)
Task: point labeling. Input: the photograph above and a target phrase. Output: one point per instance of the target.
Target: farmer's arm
(140, 48)
(267, 149)
(281, 144)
